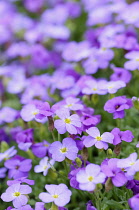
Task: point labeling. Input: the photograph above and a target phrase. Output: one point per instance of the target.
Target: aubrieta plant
(69, 105)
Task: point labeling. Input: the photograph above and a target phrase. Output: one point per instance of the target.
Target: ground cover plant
(69, 105)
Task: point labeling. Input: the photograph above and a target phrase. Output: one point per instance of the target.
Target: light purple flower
(130, 164)
(18, 167)
(95, 87)
(17, 194)
(113, 86)
(40, 149)
(76, 51)
(120, 136)
(133, 64)
(8, 153)
(117, 105)
(94, 138)
(72, 103)
(66, 149)
(8, 115)
(134, 202)
(110, 169)
(59, 194)
(44, 166)
(67, 122)
(20, 181)
(89, 177)
(26, 207)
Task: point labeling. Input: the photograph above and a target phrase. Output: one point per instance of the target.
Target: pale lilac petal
(25, 165)
(119, 180)
(63, 199)
(100, 178)
(20, 201)
(107, 137)
(38, 169)
(94, 132)
(92, 169)
(89, 141)
(71, 129)
(87, 186)
(46, 197)
(25, 189)
(81, 176)
(7, 197)
(63, 113)
(60, 126)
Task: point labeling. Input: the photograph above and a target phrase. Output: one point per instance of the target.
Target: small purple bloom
(72, 103)
(130, 165)
(18, 167)
(110, 169)
(21, 180)
(89, 177)
(120, 136)
(40, 149)
(17, 194)
(59, 194)
(133, 185)
(8, 115)
(134, 202)
(95, 87)
(44, 166)
(8, 153)
(94, 138)
(133, 64)
(89, 206)
(117, 105)
(67, 122)
(66, 149)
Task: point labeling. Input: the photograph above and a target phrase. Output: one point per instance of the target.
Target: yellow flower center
(69, 105)
(132, 164)
(35, 113)
(137, 59)
(17, 194)
(45, 167)
(98, 138)
(67, 121)
(55, 196)
(64, 150)
(94, 89)
(46, 145)
(90, 178)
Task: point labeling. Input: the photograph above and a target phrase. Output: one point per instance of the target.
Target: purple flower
(37, 110)
(110, 169)
(120, 136)
(44, 165)
(134, 202)
(89, 177)
(8, 153)
(26, 207)
(18, 167)
(130, 165)
(24, 139)
(113, 86)
(40, 149)
(65, 149)
(94, 138)
(72, 103)
(133, 64)
(17, 194)
(117, 105)
(2, 172)
(8, 115)
(59, 194)
(95, 87)
(120, 74)
(133, 185)
(76, 51)
(21, 180)
(39, 206)
(67, 122)
(89, 206)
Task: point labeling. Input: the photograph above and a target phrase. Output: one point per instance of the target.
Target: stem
(53, 136)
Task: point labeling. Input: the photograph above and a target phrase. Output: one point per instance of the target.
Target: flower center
(35, 112)
(137, 59)
(46, 145)
(67, 121)
(69, 105)
(17, 194)
(98, 138)
(117, 106)
(16, 167)
(90, 178)
(55, 196)
(45, 167)
(132, 164)
(64, 150)
(94, 89)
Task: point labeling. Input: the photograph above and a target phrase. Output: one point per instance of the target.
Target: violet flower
(17, 194)
(8, 153)
(66, 149)
(67, 122)
(59, 194)
(117, 105)
(120, 136)
(94, 138)
(44, 166)
(134, 202)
